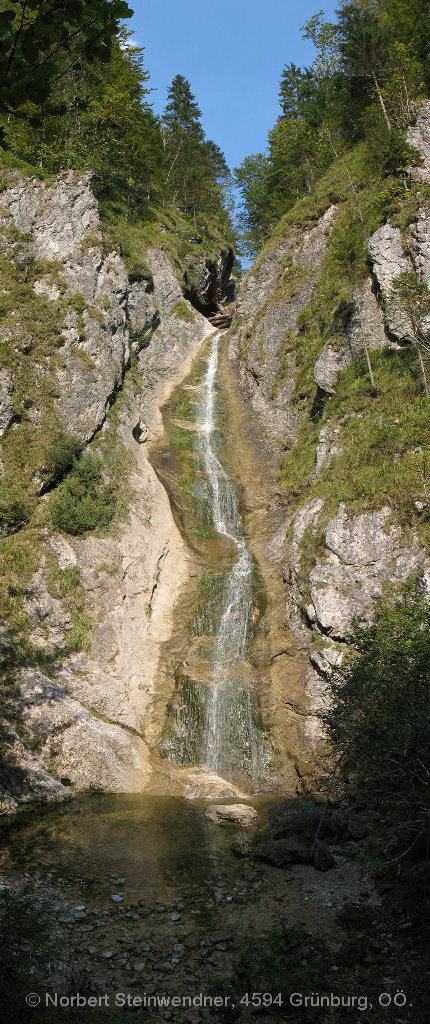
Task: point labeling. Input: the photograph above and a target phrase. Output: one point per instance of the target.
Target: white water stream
(232, 635)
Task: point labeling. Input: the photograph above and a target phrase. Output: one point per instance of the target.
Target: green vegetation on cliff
(94, 113)
(379, 711)
(381, 424)
(372, 67)
(75, 96)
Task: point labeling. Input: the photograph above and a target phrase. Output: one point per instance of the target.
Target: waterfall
(229, 718)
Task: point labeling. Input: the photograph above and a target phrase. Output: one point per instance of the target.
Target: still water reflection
(159, 845)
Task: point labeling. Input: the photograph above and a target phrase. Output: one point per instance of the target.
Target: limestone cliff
(81, 711)
(348, 459)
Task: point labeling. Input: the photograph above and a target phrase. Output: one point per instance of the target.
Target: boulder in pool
(231, 814)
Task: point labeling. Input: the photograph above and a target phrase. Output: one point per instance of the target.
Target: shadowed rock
(282, 852)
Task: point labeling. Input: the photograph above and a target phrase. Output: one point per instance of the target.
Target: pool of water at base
(160, 845)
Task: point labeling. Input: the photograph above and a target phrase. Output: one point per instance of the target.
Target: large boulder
(242, 846)
(294, 818)
(282, 852)
(231, 814)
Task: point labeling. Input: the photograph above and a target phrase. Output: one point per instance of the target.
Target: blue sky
(232, 52)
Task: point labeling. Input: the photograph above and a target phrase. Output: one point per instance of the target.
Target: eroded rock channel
(234, 719)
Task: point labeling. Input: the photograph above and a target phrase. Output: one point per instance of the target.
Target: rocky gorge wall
(122, 344)
(94, 350)
(337, 546)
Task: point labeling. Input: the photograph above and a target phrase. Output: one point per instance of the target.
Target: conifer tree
(183, 138)
(196, 171)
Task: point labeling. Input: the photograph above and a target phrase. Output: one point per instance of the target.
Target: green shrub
(60, 457)
(380, 707)
(289, 960)
(16, 506)
(26, 947)
(83, 502)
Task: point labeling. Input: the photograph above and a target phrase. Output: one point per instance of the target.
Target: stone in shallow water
(117, 898)
(236, 814)
(242, 846)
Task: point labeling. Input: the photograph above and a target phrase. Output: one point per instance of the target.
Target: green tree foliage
(371, 68)
(255, 214)
(95, 112)
(197, 175)
(37, 36)
(380, 707)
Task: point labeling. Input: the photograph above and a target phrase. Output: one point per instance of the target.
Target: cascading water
(229, 714)
(211, 719)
